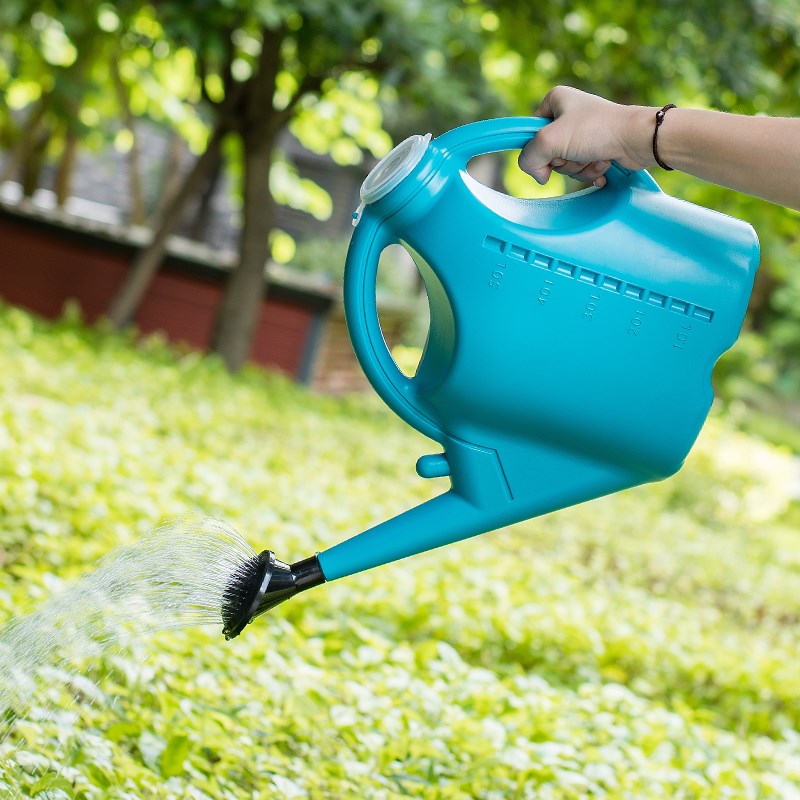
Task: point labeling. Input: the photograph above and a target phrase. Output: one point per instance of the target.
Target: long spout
(264, 581)
(440, 521)
(481, 500)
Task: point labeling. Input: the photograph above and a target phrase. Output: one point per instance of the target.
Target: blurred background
(178, 179)
(194, 171)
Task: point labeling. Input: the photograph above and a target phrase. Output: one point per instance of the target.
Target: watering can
(571, 339)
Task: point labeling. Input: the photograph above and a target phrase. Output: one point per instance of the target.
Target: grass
(643, 645)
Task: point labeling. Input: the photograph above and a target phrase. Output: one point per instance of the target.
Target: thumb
(545, 108)
(540, 174)
(539, 156)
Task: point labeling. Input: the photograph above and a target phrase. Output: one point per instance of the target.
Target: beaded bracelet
(659, 119)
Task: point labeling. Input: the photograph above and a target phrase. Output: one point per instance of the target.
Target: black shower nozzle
(261, 584)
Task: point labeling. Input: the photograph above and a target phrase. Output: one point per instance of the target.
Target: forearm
(756, 155)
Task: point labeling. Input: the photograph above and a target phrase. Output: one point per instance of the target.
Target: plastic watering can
(571, 339)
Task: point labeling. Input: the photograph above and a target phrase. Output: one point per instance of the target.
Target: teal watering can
(571, 339)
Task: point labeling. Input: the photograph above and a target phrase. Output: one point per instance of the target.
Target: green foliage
(742, 60)
(642, 645)
(347, 74)
(326, 66)
(335, 66)
(323, 256)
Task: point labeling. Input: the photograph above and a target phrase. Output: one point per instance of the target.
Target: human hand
(586, 134)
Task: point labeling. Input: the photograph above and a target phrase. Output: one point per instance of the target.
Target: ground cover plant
(644, 645)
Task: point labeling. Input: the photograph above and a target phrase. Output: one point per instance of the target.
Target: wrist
(637, 137)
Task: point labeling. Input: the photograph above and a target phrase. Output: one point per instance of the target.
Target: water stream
(174, 576)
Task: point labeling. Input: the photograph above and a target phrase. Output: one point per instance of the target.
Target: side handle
(369, 240)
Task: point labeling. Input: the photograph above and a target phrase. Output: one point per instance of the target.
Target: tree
(742, 58)
(60, 90)
(77, 73)
(260, 66)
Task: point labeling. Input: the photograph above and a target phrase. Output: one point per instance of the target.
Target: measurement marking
(498, 274)
(702, 313)
(636, 292)
(565, 269)
(608, 283)
(590, 307)
(682, 336)
(679, 306)
(545, 291)
(637, 320)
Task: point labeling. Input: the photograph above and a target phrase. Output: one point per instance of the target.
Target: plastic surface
(435, 465)
(393, 167)
(571, 340)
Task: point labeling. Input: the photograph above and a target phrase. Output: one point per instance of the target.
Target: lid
(393, 167)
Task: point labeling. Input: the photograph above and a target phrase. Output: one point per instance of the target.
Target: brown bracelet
(659, 119)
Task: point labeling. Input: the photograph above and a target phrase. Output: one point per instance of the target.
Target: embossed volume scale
(570, 349)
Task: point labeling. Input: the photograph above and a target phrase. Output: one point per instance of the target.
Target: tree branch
(261, 86)
(202, 74)
(281, 117)
(228, 80)
(136, 198)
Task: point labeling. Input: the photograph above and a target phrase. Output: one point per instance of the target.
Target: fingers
(587, 172)
(540, 162)
(540, 172)
(536, 158)
(546, 152)
(553, 102)
(581, 133)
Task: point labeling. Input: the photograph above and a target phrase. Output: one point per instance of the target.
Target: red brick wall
(41, 267)
(336, 370)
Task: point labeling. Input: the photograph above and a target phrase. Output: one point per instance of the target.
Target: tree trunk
(201, 219)
(170, 176)
(238, 314)
(27, 137)
(137, 212)
(136, 208)
(32, 166)
(66, 166)
(125, 303)
(260, 123)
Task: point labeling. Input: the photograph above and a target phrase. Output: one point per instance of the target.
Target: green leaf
(151, 747)
(51, 783)
(174, 755)
(121, 730)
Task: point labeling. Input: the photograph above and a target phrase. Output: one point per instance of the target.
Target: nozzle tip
(262, 583)
(241, 594)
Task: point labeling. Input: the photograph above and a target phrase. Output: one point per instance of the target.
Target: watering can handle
(369, 240)
(513, 133)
